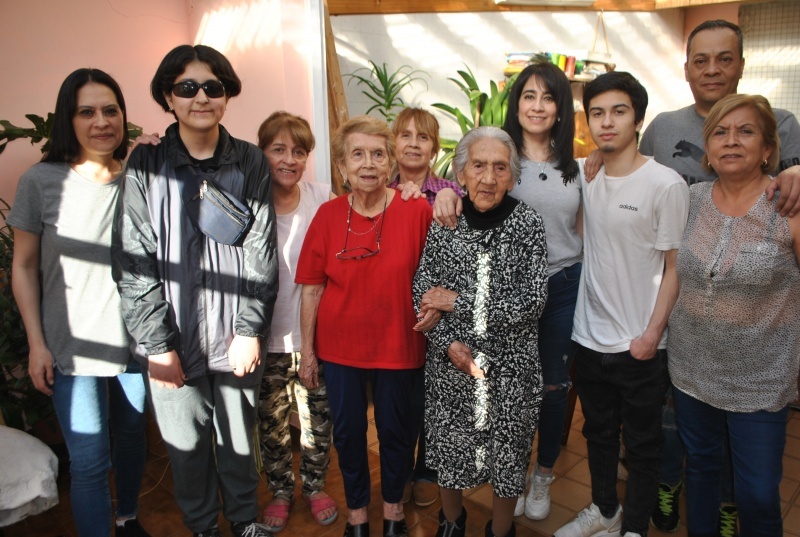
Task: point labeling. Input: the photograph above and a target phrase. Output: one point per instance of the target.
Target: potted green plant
(383, 88)
(485, 110)
(22, 405)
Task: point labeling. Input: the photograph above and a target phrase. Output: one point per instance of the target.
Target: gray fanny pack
(214, 211)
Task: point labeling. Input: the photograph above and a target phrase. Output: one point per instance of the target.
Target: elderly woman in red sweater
(358, 318)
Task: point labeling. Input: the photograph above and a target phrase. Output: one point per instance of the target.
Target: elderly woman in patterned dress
(734, 333)
(487, 278)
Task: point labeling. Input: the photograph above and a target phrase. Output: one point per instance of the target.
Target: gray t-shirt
(558, 206)
(80, 306)
(675, 139)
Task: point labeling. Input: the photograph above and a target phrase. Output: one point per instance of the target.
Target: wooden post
(337, 104)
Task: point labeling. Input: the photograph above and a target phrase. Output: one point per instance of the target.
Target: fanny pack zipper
(221, 201)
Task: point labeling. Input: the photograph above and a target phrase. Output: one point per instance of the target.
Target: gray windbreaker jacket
(180, 289)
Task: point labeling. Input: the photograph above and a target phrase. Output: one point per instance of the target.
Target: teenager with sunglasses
(200, 307)
(356, 267)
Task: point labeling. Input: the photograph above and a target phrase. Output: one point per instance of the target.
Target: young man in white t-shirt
(634, 213)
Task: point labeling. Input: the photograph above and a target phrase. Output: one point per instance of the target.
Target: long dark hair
(563, 131)
(64, 145)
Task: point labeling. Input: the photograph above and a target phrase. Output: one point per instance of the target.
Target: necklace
(361, 252)
(542, 175)
(375, 219)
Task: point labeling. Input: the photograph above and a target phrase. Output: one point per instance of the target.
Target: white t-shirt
(628, 223)
(292, 228)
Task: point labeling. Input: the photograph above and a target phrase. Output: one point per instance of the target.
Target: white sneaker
(520, 507)
(537, 502)
(591, 523)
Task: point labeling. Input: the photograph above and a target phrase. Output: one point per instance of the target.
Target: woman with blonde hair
(358, 321)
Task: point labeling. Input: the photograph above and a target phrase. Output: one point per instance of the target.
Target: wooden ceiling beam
(372, 7)
(672, 4)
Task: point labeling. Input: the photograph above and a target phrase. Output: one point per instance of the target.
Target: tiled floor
(570, 493)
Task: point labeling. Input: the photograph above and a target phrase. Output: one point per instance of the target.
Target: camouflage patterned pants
(281, 385)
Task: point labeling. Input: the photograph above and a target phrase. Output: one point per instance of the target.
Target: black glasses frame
(214, 89)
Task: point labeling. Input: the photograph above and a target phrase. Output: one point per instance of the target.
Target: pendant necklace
(542, 175)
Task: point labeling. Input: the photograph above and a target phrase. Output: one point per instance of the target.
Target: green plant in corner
(383, 87)
(485, 110)
(22, 405)
(41, 131)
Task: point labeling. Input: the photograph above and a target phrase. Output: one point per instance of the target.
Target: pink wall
(43, 41)
(696, 15)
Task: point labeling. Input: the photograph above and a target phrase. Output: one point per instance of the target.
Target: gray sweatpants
(208, 427)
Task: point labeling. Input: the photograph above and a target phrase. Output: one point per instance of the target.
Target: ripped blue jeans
(556, 351)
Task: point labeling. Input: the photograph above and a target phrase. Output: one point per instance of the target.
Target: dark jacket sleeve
(260, 283)
(134, 264)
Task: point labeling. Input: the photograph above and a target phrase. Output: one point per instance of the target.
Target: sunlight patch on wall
(242, 27)
(423, 49)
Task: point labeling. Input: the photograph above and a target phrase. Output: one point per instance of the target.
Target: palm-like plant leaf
(384, 87)
(485, 109)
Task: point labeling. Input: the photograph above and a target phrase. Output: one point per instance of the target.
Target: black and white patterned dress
(478, 430)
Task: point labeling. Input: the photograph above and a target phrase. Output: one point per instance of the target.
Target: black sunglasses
(189, 88)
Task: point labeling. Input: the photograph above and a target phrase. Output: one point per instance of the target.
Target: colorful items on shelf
(575, 69)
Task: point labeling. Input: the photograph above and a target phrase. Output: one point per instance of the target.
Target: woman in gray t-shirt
(61, 277)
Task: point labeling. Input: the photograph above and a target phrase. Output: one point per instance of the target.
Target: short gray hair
(479, 133)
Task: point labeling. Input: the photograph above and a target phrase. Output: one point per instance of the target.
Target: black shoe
(511, 533)
(131, 528)
(666, 515)
(395, 528)
(210, 532)
(250, 529)
(359, 530)
(452, 529)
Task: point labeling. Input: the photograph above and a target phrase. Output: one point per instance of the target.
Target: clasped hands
(244, 356)
(435, 301)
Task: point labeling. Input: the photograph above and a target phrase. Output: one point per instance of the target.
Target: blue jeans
(619, 392)
(556, 351)
(672, 465)
(88, 408)
(757, 440)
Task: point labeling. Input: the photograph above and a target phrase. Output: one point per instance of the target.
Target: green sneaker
(728, 516)
(666, 514)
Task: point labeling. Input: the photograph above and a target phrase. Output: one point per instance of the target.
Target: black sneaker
(131, 528)
(250, 529)
(210, 532)
(728, 515)
(666, 515)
